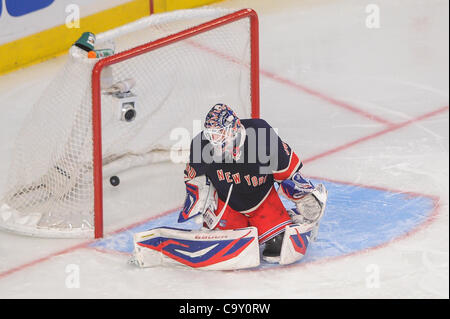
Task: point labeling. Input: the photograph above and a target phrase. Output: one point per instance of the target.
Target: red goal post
(143, 49)
(172, 67)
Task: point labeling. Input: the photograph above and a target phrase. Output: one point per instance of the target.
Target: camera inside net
(127, 106)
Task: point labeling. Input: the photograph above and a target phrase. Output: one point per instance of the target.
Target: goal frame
(145, 48)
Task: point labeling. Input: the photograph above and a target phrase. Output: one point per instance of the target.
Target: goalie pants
(270, 217)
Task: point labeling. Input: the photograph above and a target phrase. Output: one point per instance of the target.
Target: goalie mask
(224, 131)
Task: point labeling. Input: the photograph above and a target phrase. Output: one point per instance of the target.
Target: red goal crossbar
(145, 48)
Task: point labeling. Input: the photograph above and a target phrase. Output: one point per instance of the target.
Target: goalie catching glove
(310, 201)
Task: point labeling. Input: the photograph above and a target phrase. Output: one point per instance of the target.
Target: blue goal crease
(356, 218)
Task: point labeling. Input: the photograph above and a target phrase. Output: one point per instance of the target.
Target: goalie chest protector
(264, 159)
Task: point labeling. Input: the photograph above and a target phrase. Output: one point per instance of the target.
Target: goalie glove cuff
(296, 187)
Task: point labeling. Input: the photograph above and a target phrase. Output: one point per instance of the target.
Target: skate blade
(271, 260)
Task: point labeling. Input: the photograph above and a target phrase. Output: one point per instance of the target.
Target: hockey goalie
(234, 167)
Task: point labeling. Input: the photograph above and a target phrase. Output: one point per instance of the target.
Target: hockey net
(182, 63)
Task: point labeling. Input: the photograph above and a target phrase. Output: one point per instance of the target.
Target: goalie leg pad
(295, 243)
(208, 250)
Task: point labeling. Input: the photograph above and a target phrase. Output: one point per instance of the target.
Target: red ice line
(391, 127)
(293, 84)
(311, 159)
(81, 245)
(423, 225)
(325, 98)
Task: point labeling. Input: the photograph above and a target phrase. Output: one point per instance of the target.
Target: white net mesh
(50, 187)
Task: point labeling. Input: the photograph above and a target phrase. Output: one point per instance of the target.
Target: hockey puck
(114, 180)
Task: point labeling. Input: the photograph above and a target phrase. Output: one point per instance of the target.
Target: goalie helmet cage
(182, 62)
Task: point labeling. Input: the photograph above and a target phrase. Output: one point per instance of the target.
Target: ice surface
(366, 109)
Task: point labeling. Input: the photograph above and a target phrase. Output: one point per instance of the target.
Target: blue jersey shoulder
(255, 123)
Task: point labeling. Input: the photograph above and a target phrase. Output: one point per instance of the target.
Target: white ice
(311, 52)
